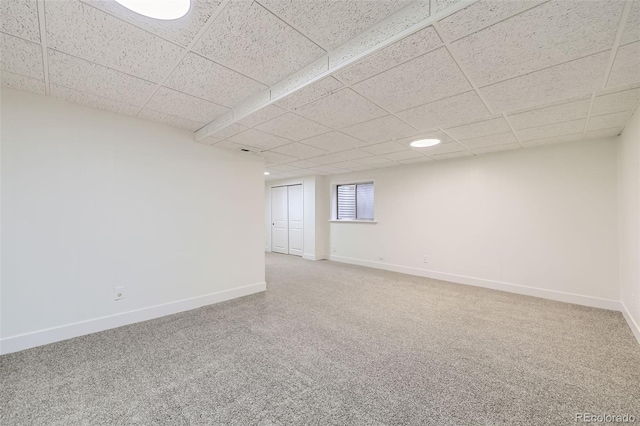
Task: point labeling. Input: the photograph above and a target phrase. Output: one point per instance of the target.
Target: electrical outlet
(381, 257)
(118, 293)
(424, 259)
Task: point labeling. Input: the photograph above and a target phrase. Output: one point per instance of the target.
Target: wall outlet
(424, 259)
(381, 257)
(118, 293)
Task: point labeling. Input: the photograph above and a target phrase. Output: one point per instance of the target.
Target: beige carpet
(333, 344)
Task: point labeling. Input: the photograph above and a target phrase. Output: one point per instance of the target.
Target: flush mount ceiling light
(424, 143)
(266, 173)
(158, 9)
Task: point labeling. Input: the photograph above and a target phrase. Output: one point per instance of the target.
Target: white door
(279, 220)
(295, 219)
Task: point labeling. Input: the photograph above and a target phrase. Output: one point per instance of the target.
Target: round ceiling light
(424, 143)
(158, 9)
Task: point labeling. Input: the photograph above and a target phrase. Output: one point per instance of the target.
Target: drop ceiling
(325, 87)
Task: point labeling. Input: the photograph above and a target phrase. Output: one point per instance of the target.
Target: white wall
(629, 205)
(93, 200)
(540, 221)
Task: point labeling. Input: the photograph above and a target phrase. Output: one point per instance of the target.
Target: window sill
(373, 222)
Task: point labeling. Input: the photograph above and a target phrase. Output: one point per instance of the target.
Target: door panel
(296, 212)
(279, 220)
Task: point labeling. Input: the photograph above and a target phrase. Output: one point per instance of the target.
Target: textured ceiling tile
(457, 109)
(616, 102)
(490, 140)
(180, 31)
(480, 128)
(632, 27)
(481, 15)
(310, 93)
(300, 151)
(452, 155)
(209, 140)
(87, 77)
(88, 33)
(550, 115)
(93, 101)
(205, 79)
(550, 34)
(626, 66)
(292, 126)
(385, 148)
(441, 5)
(497, 148)
(553, 140)
(330, 23)
(20, 18)
(326, 159)
(333, 141)
(328, 169)
(348, 165)
(425, 79)
(429, 134)
(20, 82)
(21, 57)
(608, 121)
(274, 157)
(404, 155)
(227, 144)
(260, 140)
(443, 148)
(422, 159)
(353, 154)
(262, 115)
(249, 39)
(230, 130)
(603, 133)
(373, 161)
(285, 168)
(171, 120)
(380, 129)
(182, 105)
(570, 80)
(402, 51)
(552, 130)
(341, 109)
(305, 164)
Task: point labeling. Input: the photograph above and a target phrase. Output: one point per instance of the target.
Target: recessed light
(424, 143)
(266, 173)
(158, 9)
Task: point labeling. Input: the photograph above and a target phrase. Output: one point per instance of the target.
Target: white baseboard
(68, 331)
(633, 325)
(595, 302)
(313, 257)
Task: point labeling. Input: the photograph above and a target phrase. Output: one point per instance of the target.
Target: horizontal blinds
(346, 201)
(364, 201)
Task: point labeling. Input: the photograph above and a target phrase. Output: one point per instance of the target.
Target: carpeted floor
(334, 344)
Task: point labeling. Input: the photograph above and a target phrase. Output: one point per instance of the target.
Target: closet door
(279, 220)
(295, 220)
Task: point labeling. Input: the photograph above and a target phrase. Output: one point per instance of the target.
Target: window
(355, 201)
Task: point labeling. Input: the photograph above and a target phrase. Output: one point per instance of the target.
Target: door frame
(292, 183)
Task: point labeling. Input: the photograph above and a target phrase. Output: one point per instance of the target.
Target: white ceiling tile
(251, 40)
(569, 80)
(93, 101)
(480, 128)
(380, 129)
(186, 106)
(326, 159)
(310, 93)
(275, 157)
(608, 121)
(457, 109)
(171, 120)
(481, 15)
(388, 164)
(425, 79)
(416, 160)
(429, 134)
(292, 126)
(441, 5)
(632, 27)
(21, 57)
(341, 109)
(331, 23)
(88, 33)
(20, 18)
(547, 35)
(230, 130)
(348, 165)
(373, 161)
(443, 148)
(553, 140)
(285, 168)
(205, 79)
(78, 74)
(300, 150)
(209, 140)
(550, 115)
(497, 148)
(20, 82)
(353, 154)
(551, 130)
(403, 155)
(227, 144)
(626, 66)
(259, 140)
(333, 142)
(180, 31)
(625, 100)
(385, 148)
(603, 133)
(490, 140)
(452, 155)
(262, 115)
(402, 51)
(328, 169)
(305, 164)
